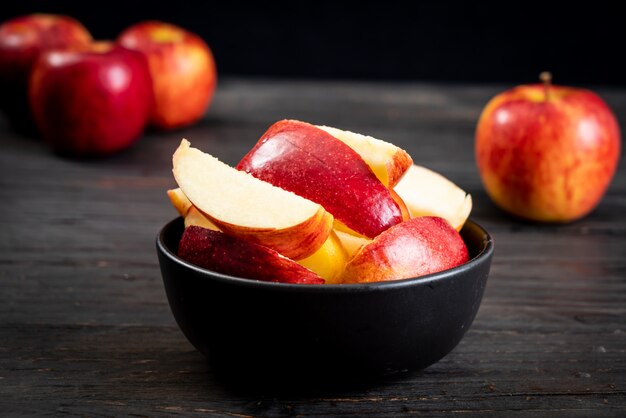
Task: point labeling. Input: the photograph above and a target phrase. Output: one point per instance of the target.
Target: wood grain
(85, 328)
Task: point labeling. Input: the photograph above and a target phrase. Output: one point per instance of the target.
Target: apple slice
(225, 254)
(187, 210)
(310, 162)
(249, 208)
(195, 218)
(329, 260)
(427, 193)
(414, 248)
(386, 160)
(350, 242)
(179, 201)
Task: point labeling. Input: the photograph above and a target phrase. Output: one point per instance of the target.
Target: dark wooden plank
(85, 328)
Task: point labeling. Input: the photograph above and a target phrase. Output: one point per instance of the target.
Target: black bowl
(288, 332)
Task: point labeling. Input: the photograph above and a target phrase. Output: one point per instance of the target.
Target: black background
(503, 42)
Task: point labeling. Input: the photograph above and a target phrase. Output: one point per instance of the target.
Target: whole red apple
(547, 153)
(93, 100)
(22, 40)
(182, 67)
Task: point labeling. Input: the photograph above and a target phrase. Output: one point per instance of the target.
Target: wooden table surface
(85, 328)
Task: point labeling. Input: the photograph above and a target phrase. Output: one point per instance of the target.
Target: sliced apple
(414, 248)
(195, 218)
(388, 161)
(226, 254)
(310, 162)
(351, 243)
(428, 193)
(179, 201)
(248, 208)
(329, 260)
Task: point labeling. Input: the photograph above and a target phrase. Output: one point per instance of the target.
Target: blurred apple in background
(92, 100)
(545, 152)
(22, 40)
(183, 71)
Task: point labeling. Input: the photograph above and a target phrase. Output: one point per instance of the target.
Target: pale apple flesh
(248, 208)
(308, 161)
(428, 193)
(387, 161)
(180, 202)
(186, 209)
(547, 153)
(350, 242)
(414, 248)
(195, 218)
(329, 260)
(222, 253)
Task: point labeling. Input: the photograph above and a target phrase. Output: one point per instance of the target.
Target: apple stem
(546, 78)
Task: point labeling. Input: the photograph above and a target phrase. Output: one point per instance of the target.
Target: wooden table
(85, 328)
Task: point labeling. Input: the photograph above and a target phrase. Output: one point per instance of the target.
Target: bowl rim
(483, 255)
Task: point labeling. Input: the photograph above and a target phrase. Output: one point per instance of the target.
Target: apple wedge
(427, 193)
(187, 210)
(248, 208)
(350, 242)
(388, 161)
(329, 260)
(310, 162)
(225, 254)
(195, 218)
(414, 248)
(180, 202)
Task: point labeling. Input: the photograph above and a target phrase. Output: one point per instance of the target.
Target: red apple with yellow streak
(22, 40)
(183, 71)
(312, 163)
(419, 246)
(248, 208)
(547, 153)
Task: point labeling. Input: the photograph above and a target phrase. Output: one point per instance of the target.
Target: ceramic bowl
(289, 332)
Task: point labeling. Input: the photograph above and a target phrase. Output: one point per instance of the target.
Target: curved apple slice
(414, 248)
(195, 218)
(428, 193)
(179, 201)
(248, 208)
(225, 254)
(351, 243)
(388, 161)
(187, 210)
(310, 162)
(329, 260)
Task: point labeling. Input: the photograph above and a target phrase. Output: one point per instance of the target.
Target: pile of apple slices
(313, 204)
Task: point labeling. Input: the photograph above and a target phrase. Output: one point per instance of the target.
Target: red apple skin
(183, 71)
(91, 101)
(419, 246)
(548, 160)
(22, 40)
(309, 162)
(225, 254)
